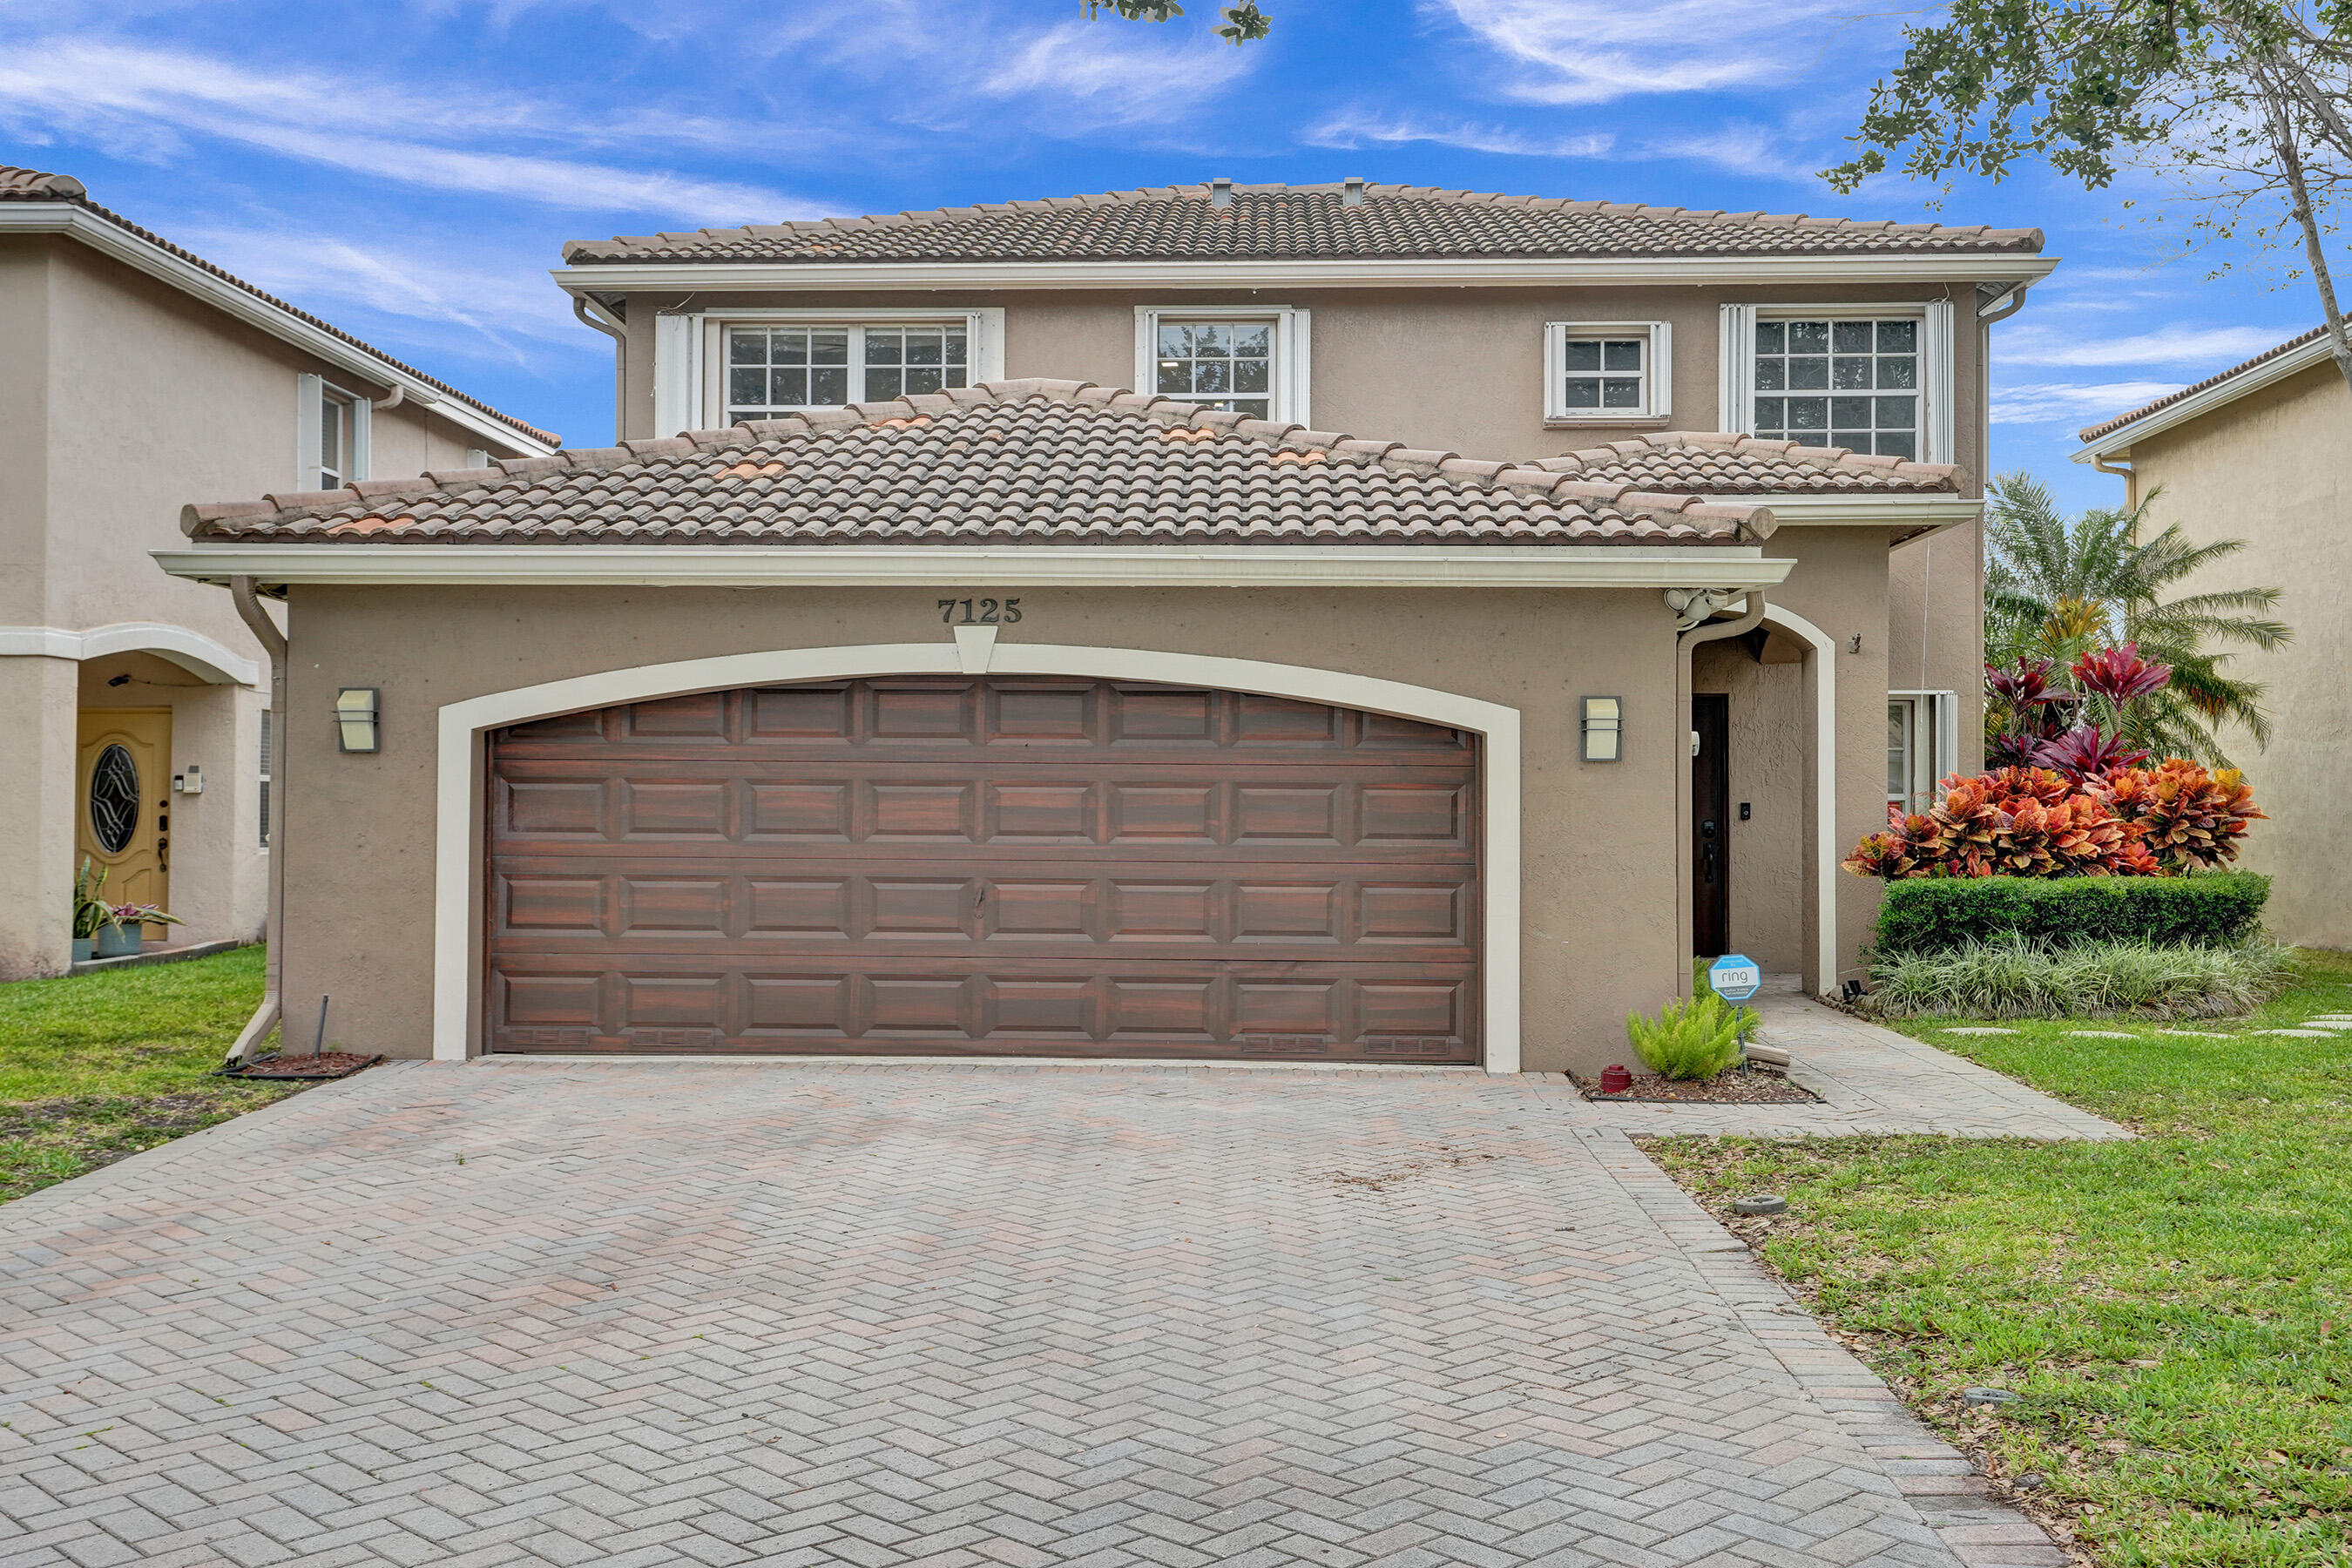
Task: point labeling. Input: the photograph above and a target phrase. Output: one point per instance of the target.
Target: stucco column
(38, 708)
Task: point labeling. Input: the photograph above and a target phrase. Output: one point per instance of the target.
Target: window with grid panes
(774, 369)
(1840, 382)
(335, 421)
(1218, 364)
(1599, 374)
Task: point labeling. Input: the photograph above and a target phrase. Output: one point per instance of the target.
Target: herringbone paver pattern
(868, 1316)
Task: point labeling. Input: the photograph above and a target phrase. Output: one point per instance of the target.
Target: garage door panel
(1218, 1010)
(1004, 866)
(1294, 911)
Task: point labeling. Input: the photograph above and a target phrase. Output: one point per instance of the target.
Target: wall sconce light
(1603, 729)
(356, 710)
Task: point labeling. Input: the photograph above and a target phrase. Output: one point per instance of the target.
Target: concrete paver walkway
(1870, 1080)
(533, 1314)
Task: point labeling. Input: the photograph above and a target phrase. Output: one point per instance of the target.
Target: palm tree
(2057, 588)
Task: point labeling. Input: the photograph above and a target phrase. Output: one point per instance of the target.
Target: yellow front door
(125, 819)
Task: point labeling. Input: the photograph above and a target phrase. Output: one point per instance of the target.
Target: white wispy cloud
(1744, 149)
(1353, 129)
(2182, 345)
(2065, 404)
(1127, 73)
(148, 104)
(493, 299)
(1593, 51)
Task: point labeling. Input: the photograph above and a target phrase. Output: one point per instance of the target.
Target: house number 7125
(959, 612)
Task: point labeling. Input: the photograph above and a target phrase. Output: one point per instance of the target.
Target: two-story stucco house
(132, 375)
(2263, 452)
(1391, 674)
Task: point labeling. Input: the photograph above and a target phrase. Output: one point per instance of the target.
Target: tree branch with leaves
(1244, 24)
(2245, 104)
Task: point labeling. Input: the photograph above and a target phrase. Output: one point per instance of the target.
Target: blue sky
(409, 168)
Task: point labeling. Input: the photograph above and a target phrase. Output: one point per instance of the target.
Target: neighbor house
(2263, 453)
(133, 374)
(930, 693)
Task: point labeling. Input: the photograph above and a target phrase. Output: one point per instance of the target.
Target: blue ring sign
(1736, 976)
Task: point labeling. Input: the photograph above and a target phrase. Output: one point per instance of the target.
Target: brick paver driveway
(676, 1313)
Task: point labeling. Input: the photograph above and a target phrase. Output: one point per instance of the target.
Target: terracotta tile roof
(1043, 462)
(32, 185)
(1689, 462)
(1197, 223)
(2092, 433)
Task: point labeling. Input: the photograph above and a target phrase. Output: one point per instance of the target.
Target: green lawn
(96, 1067)
(2176, 1312)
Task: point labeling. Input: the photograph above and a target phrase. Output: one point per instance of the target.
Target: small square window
(1605, 372)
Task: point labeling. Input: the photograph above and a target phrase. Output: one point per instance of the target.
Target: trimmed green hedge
(1937, 914)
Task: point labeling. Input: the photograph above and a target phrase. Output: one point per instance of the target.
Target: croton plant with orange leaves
(2091, 810)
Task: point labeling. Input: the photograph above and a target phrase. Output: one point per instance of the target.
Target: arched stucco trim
(1823, 657)
(459, 840)
(207, 658)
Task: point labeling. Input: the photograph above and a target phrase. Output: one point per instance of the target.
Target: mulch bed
(1742, 1087)
(325, 1063)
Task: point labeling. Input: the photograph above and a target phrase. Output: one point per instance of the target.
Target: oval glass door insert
(115, 800)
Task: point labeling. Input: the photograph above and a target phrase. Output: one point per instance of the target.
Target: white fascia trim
(2118, 441)
(202, 656)
(1536, 272)
(458, 846)
(1024, 565)
(1860, 510)
(156, 262)
(1825, 793)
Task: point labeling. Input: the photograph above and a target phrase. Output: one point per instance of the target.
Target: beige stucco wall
(1771, 725)
(2275, 469)
(1600, 863)
(1456, 369)
(121, 399)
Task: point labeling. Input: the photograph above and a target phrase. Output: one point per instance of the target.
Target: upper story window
(717, 368)
(331, 438)
(1877, 380)
(772, 369)
(1603, 373)
(1246, 359)
(1840, 382)
(1217, 365)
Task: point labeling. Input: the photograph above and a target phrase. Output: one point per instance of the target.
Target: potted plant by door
(90, 909)
(119, 937)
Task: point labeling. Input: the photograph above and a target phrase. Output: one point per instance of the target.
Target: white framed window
(1607, 372)
(331, 434)
(1873, 378)
(262, 774)
(1922, 745)
(713, 369)
(1249, 359)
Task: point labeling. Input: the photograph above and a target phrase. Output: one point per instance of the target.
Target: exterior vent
(1221, 194)
(1353, 195)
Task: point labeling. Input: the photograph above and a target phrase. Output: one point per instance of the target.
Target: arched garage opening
(1065, 852)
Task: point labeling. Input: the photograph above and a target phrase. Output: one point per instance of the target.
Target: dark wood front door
(1711, 825)
(984, 867)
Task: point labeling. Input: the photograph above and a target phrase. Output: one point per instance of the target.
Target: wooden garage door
(991, 866)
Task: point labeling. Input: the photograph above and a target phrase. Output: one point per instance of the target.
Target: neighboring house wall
(121, 399)
(2275, 469)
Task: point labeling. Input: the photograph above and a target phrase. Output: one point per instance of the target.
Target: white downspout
(265, 631)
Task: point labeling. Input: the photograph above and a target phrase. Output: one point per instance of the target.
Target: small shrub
(2014, 976)
(1940, 914)
(1694, 1038)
